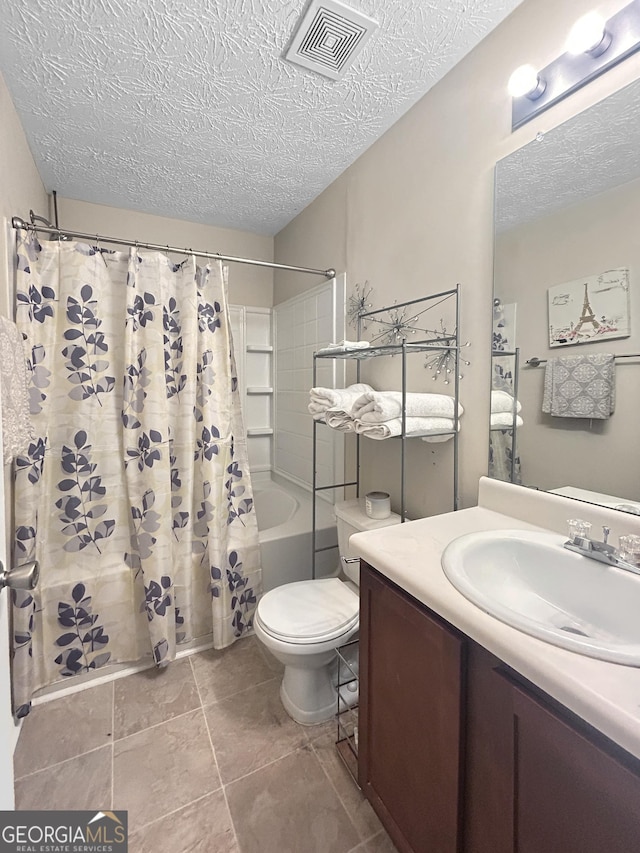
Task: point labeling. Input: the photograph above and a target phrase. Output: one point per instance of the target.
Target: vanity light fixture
(525, 82)
(589, 34)
(593, 47)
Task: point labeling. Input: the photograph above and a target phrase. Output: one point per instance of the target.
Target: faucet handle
(578, 529)
(630, 549)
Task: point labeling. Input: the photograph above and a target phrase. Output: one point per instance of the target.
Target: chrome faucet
(599, 550)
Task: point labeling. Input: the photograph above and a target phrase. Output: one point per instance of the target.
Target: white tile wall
(253, 327)
(258, 325)
(303, 325)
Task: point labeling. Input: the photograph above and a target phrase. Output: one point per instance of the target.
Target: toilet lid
(309, 611)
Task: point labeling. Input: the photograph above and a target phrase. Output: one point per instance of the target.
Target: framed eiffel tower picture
(590, 309)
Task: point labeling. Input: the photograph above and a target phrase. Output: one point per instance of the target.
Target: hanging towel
(580, 386)
(17, 429)
(504, 420)
(414, 427)
(375, 407)
(502, 401)
(321, 399)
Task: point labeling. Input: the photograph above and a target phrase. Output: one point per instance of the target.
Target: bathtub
(283, 512)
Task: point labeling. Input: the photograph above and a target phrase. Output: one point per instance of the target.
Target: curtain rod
(18, 222)
(534, 362)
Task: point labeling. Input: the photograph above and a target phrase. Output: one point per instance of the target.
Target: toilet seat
(313, 611)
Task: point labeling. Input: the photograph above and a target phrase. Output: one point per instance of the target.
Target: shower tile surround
(296, 329)
(253, 348)
(203, 757)
(303, 325)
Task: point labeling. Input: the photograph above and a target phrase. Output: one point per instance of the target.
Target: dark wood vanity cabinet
(570, 795)
(457, 753)
(410, 726)
(537, 778)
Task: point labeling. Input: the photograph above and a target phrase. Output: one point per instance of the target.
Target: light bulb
(588, 35)
(525, 82)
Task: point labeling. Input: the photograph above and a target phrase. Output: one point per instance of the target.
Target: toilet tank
(351, 518)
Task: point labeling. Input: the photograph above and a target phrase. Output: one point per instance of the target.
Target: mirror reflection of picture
(590, 309)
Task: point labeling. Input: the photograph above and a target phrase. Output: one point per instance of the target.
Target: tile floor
(203, 757)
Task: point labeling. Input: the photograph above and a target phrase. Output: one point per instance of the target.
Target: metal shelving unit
(515, 378)
(347, 710)
(347, 674)
(436, 344)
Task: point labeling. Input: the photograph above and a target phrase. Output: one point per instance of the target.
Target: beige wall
(316, 238)
(414, 214)
(248, 285)
(20, 189)
(580, 241)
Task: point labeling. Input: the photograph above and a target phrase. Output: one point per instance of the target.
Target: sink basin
(532, 583)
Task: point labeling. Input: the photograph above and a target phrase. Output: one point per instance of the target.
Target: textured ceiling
(596, 151)
(185, 108)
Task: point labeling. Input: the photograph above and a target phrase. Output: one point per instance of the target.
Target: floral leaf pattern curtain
(501, 441)
(135, 495)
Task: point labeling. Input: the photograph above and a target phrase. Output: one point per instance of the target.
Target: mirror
(567, 283)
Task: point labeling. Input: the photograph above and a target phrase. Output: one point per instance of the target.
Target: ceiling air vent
(329, 37)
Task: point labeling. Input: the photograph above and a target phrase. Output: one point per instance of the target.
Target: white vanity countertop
(606, 695)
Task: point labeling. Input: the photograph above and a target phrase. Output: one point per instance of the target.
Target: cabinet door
(488, 801)
(410, 718)
(570, 795)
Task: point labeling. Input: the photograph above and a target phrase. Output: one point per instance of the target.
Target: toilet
(303, 623)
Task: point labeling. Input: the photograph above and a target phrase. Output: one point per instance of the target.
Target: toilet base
(309, 696)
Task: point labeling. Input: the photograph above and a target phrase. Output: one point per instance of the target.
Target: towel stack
(502, 410)
(378, 414)
(333, 405)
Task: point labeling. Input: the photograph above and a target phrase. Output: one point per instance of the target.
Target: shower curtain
(501, 441)
(135, 495)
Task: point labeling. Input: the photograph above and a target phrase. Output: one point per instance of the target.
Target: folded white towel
(345, 346)
(378, 406)
(504, 420)
(339, 419)
(502, 401)
(414, 427)
(321, 399)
